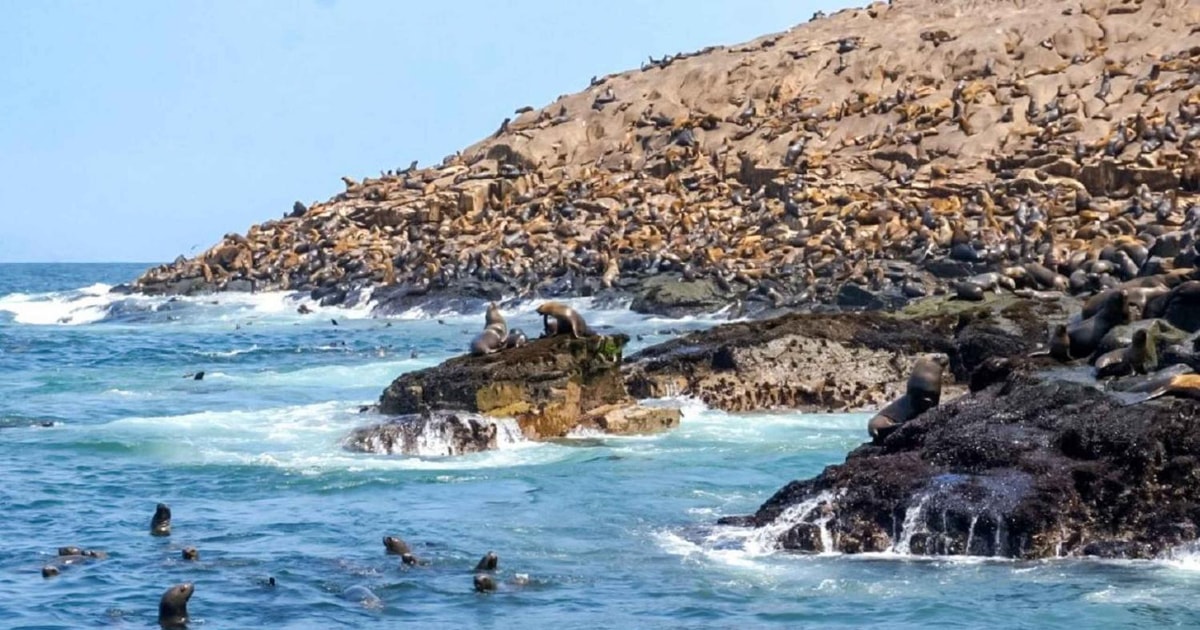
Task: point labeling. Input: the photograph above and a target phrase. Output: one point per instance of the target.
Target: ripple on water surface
(611, 532)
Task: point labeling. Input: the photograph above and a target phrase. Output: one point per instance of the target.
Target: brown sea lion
(172, 608)
(190, 553)
(1087, 333)
(1141, 357)
(489, 562)
(160, 525)
(494, 335)
(396, 545)
(484, 583)
(1060, 344)
(516, 339)
(923, 392)
(568, 320)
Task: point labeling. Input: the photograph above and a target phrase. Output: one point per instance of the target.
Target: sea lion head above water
(489, 562)
(172, 608)
(160, 525)
(396, 545)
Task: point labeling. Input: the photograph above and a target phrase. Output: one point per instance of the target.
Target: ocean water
(98, 424)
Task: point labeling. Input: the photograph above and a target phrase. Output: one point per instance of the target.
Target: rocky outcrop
(1026, 468)
(550, 386)
(860, 159)
(834, 362)
(433, 434)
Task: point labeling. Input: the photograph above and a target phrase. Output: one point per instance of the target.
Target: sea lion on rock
(968, 291)
(494, 335)
(923, 392)
(1087, 333)
(172, 607)
(516, 339)
(489, 562)
(1141, 357)
(396, 545)
(567, 320)
(1060, 344)
(160, 525)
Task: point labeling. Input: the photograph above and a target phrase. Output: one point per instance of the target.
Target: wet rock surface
(1028, 467)
(433, 434)
(834, 361)
(550, 386)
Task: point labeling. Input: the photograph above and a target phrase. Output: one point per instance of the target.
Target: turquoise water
(612, 532)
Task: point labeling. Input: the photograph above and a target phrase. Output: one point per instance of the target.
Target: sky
(142, 130)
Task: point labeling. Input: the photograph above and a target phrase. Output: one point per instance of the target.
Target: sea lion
(992, 370)
(968, 291)
(568, 320)
(484, 583)
(172, 608)
(494, 335)
(1181, 385)
(1087, 333)
(396, 545)
(1060, 344)
(489, 562)
(49, 571)
(190, 553)
(923, 392)
(160, 525)
(516, 339)
(195, 376)
(1141, 357)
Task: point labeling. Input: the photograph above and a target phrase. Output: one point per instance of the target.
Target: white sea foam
(301, 438)
(81, 306)
(95, 303)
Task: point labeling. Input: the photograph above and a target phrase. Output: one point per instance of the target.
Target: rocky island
(1006, 191)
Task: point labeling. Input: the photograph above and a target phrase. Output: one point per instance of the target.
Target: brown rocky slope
(881, 148)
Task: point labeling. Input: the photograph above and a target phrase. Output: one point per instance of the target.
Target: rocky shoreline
(1016, 194)
(860, 160)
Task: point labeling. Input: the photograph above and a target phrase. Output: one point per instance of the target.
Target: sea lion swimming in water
(190, 554)
(488, 562)
(494, 335)
(172, 608)
(923, 392)
(160, 525)
(396, 545)
(567, 321)
(484, 583)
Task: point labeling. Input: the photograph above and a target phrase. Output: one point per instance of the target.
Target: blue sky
(140, 130)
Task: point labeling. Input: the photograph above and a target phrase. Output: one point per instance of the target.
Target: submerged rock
(1024, 468)
(434, 434)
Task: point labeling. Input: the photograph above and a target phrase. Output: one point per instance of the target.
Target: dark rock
(670, 297)
(437, 433)
(1031, 469)
(856, 297)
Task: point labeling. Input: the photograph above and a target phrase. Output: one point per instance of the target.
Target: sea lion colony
(892, 149)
